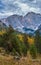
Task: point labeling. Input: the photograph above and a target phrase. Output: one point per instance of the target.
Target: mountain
(33, 20)
(24, 24)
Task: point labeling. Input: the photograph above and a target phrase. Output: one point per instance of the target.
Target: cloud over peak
(10, 7)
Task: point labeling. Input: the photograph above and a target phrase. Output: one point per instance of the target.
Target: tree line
(12, 44)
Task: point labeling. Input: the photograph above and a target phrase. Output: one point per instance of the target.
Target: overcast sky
(21, 7)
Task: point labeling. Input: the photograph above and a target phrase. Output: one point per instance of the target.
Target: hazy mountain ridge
(30, 21)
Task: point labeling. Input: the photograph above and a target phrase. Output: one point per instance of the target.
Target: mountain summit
(30, 21)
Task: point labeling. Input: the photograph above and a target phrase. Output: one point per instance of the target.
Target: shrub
(33, 51)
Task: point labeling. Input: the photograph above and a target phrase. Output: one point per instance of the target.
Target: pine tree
(38, 41)
(26, 42)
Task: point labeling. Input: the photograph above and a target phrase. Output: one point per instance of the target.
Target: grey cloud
(34, 3)
(19, 6)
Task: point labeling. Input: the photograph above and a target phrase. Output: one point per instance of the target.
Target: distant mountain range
(25, 24)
